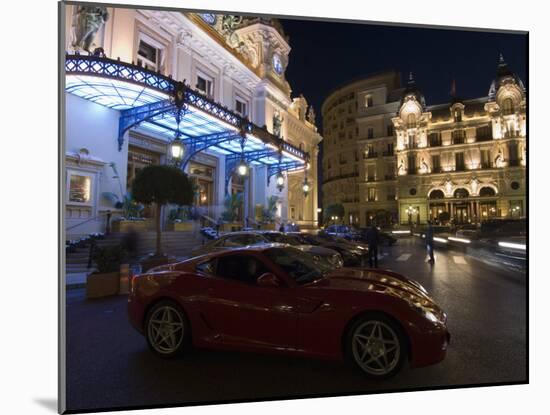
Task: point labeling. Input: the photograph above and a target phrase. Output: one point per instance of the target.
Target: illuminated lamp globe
(306, 187)
(177, 149)
(242, 168)
(280, 181)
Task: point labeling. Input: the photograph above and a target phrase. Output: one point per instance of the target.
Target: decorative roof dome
(504, 75)
(411, 90)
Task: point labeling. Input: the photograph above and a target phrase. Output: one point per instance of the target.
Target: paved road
(109, 364)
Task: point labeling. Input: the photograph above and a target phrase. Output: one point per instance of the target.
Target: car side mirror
(268, 279)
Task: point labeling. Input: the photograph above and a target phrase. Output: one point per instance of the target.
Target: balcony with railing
(341, 176)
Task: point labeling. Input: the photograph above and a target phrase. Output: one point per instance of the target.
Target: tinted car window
(301, 267)
(208, 267)
(242, 268)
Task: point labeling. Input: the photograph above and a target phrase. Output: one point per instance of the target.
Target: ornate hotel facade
(235, 65)
(391, 158)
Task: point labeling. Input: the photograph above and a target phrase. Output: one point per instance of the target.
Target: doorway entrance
(461, 214)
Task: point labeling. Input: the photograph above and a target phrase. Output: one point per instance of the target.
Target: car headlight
(336, 260)
(426, 313)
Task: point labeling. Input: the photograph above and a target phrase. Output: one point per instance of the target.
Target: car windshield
(301, 267)
(281, 238)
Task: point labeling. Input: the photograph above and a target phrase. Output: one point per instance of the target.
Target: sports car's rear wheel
(166, 329)
(376, 344)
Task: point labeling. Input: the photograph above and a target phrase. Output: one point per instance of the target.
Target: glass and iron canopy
(166, 108)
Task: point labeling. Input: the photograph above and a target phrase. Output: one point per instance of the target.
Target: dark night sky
(326, 55)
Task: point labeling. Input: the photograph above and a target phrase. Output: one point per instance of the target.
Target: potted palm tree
(105, 280)
(161, 185)
(232, 203)
(268, 214)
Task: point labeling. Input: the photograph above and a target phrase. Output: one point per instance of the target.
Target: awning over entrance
(170, 108)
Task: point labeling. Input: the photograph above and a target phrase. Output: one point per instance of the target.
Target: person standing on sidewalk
(372, 238)
(430, 241)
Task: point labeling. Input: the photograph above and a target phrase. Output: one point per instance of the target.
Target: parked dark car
(384, 238)
(353, 254)
(250, 238)
(338, 230)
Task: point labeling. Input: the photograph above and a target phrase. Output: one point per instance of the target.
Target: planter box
(231, 226)
(102, 285)
(125, 225)
(267, 227)
(181, 226)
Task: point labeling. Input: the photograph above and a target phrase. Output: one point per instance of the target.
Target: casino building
(142, 85)
(390, 157)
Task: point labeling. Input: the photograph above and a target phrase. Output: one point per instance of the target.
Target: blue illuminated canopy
(157, 103)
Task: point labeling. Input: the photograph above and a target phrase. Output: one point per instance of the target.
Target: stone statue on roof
(88, 21)
(311, 115)
(277, 123)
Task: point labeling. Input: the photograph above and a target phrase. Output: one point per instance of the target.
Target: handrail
(87, 220)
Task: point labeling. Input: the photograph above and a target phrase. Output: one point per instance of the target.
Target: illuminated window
(459, 161)
(149, 56)
(458, 136)
(458, 115)
(370, 132)
(368, 101)
(411, 163)
(241, 107)
(507, 106)
(436, 163)
(371, 197)
(80, 188)
(205, 85)
(411, 121)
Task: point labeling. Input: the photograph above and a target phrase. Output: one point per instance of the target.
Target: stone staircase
(178, 244)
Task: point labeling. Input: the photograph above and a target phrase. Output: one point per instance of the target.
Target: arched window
(507, 106)
(487, 192)
(458, 115)
(461, 193)
(437, 194)
(411, 121)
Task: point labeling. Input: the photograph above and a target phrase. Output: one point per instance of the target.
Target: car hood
(375, 281)
(316, 250)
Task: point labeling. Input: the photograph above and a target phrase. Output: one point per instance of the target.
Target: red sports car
(276, 299)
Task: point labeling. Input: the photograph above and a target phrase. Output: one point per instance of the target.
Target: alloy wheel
(166, 329)
(376, 347)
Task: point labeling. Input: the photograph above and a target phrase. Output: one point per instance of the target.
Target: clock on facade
(277, 64)
(209, 18)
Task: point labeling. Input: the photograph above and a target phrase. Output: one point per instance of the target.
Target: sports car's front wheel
(167, 329)
(377, 346)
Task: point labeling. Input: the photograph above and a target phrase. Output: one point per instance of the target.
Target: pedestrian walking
(430, 241)
(218, 225)
(282, 228)
(373, 237)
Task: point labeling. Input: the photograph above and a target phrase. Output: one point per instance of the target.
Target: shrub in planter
(161, 185)
(106, 280)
